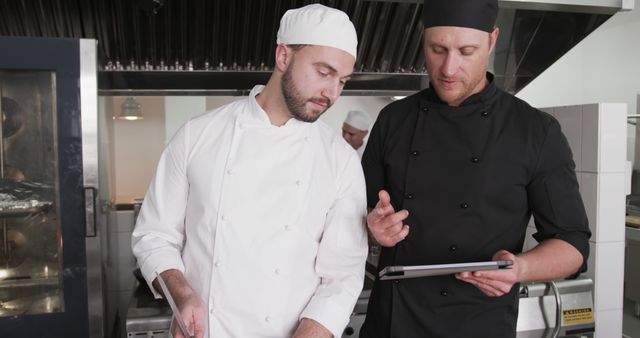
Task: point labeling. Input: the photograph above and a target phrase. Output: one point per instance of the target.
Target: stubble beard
(296, 103)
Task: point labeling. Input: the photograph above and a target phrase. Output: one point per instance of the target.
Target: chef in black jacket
(454, 173)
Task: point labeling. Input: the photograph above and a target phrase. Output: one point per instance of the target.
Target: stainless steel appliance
(50, 269)
(146, 316)
(556, 309)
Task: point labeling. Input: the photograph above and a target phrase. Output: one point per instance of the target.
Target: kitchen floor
(630, 323)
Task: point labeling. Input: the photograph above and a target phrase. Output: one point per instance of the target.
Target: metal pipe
(556, 294)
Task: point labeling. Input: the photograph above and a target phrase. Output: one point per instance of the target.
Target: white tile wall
(603, 195)
(606, 268)
(604, 137)
(599, 147)
(121, 263)
(608, 324)
(613, 137)
(570, 118)
(529, 241)
(590, 135)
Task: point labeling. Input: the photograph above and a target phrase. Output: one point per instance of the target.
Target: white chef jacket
(265, 222)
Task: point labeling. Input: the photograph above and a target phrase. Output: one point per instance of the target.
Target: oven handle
(90, 211)
(556, 294)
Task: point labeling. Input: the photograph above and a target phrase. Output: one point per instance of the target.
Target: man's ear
(493, 39)
(283, 57)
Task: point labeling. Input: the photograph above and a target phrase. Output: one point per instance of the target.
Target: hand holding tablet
(413, 271)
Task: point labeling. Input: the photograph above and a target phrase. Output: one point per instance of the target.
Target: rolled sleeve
(342, 253)
(158, 236)
(555, 198)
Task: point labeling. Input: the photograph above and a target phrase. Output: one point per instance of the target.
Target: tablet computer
(413, 271)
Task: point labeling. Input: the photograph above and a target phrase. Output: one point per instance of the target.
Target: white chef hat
(358, 119)
(318, 25)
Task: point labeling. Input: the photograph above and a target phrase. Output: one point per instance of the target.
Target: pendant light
(131, 110)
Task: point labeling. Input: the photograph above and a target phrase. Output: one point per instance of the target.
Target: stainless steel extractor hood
(218, 47)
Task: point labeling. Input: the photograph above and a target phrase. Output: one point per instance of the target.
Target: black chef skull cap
(477, 14)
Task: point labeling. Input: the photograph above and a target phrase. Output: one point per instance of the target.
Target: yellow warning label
(577, 316)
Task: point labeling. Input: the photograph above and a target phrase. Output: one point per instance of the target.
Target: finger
(487, 289)
(506, 276)
(397, 217)
(176, 332)
(383, 210)
(198, 324)
(379, 224)
(402, 234)
(392, 220)
(502, 255)
(497, 287)
(384, 198)
(393, 238)
(502, 286)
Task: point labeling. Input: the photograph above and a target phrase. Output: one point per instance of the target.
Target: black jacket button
(484, 114)
(453, 247)
(444, 293)
(415, 153)
(425, 109)
(475, 160)
(409, 196)
(464, 205)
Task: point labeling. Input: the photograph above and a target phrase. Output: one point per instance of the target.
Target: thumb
(384, 198)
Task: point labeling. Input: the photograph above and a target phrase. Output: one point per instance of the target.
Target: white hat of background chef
(358, 119)
(318, 25)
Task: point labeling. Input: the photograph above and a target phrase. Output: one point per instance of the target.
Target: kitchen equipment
(12, 116)
(146, 316)
(50, 259)
(556, 309)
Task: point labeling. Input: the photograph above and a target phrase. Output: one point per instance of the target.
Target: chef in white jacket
(255, 216)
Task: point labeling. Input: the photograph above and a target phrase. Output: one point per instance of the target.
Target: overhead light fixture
(131, 110)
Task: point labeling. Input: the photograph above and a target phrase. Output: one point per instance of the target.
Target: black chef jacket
(470, 177)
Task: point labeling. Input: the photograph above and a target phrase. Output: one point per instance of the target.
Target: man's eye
(467, 51)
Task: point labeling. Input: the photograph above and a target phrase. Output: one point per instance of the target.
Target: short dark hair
(297, 47)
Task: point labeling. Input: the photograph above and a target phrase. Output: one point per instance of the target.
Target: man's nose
(451, 64)
(332, 91)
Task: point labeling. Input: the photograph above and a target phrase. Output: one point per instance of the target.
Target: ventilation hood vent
(217, 47)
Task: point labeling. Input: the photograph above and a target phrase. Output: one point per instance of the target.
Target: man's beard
(296, 103)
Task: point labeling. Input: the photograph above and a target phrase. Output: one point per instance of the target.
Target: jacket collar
(484, 96)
